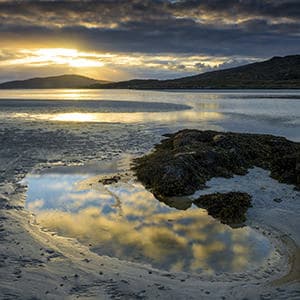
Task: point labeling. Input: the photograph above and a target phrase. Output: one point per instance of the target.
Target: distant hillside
(277, 72)
(54, 82)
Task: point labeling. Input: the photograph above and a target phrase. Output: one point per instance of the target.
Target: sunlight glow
(122, 117)
(56, 52)
(57, 56)
(75, 117)
(72, 57)
(111, 66)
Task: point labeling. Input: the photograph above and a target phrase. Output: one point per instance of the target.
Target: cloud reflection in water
(126, 221)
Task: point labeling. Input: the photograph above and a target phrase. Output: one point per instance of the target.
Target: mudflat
(37, 262)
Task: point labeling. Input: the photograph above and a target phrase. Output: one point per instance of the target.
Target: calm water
(262, 111)
(124, 220)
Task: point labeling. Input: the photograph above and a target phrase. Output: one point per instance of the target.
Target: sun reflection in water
(127, 117)
(74, 117)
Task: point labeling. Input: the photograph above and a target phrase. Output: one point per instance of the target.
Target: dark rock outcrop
(110, 180)
(230, 208)
(184, 161)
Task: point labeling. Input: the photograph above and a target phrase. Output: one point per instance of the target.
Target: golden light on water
(74, 117)
(134, 117)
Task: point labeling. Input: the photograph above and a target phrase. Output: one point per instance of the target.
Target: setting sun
(70, 57)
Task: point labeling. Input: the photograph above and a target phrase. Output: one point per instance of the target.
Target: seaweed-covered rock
(183, 162)
(110, 180)
(230, 208)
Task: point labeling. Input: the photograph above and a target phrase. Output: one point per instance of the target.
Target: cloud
(100, 65)
(36, 205)
(158, 26)
(228, 29)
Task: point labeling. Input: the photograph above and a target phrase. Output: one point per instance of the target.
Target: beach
(37, 263)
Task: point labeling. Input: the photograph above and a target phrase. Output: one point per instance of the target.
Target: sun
(57, 52)
(58, 56)
(70, 57)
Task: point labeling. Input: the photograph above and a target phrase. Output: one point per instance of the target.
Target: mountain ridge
(277, 72)
(60, 81)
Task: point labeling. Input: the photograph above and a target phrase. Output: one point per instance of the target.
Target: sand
(37, 264)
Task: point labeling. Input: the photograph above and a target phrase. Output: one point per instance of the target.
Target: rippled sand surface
(93, 129)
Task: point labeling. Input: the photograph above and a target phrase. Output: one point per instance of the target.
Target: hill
(277, 72)
(53, 82)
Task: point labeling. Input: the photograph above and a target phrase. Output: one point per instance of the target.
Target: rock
(183, 162)
(218, 137)
(230, 208)
(110, 180)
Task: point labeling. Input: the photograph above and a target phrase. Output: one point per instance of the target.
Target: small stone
(218, 137)
(50, 251)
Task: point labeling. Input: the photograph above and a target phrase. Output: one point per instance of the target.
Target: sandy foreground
(36, 264)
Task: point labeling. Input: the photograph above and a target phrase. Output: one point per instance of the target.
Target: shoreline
(36, 263)
(61, 251)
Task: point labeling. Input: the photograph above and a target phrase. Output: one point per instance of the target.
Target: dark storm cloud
(231, 8)
(140, 9)
(210, 27)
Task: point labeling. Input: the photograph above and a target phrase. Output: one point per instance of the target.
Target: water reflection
(136, 117)
(256, 111)
(125, 220)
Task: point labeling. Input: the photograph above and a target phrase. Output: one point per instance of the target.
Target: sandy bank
(36, 264)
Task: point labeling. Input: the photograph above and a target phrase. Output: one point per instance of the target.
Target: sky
(119, 40)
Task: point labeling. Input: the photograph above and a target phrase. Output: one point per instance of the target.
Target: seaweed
(230, 208)
(184, 161)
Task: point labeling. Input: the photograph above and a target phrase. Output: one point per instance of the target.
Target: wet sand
(36, 264)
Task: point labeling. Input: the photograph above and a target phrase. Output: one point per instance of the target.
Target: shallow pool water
(124, 220)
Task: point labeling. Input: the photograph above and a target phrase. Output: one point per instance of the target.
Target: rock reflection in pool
(126, 221)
